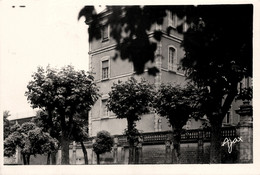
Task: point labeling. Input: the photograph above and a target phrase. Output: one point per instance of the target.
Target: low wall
(155, 148)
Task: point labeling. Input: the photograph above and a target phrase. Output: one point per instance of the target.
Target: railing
(186, 136)
(155, 137)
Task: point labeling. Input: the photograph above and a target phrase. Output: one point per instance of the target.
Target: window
(105, 69)
(105, 33)
(172, 19)
(104, 109)
(172, 59)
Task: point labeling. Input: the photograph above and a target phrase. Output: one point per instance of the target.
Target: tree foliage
(66, 90)
(62, 94)
(104, 143)
(48, 124)
(178, 103)
(79, 131)
(30, 139)
(130, 100)
(129, 27)
(218, 55)
(7, 126)
(245, 94)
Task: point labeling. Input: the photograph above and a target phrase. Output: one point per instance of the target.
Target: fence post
(74, 147)
(245, 132)
(123, 155)
(200, 152)
(168, 150)
(115, 151)
(139, 151)
(94, 157)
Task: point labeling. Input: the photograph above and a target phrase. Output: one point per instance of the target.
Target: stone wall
(156, 148)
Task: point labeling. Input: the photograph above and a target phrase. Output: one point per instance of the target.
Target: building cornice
(172, 37)
(177, 73)
(113, 46)
(102, 49)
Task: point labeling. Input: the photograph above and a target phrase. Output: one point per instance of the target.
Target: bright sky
(39, 34)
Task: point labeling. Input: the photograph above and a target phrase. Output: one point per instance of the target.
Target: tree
(80, 132)
(64, 92)
(212, 45)
(177, 104)
(7, 126)
(130, 100)
(104, 143)
(51, 126)
(30, 139)
(218, 49)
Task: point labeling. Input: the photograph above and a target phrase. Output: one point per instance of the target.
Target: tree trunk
(215, 143)
(130, 127)
(176, 146)
(65, 142)
(98, 159)
(84, 152)
(53, 158)
(48, 158)
(26, 159)
(131, 153)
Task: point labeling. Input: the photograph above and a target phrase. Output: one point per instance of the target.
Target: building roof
(21, 120)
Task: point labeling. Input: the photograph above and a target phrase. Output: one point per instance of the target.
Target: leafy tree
(30, 139)
(212, 45)
(104, 143)
(218, 48)
(50, 125)
(80, 132)
(177, 104)
(65, 93)
(130, 100)
(6, 114)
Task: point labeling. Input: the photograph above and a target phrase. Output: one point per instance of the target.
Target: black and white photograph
(153, 88)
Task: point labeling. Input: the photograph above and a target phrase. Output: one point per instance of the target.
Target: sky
(38, 34)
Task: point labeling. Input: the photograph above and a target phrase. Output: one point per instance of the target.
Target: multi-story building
(108, 71)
